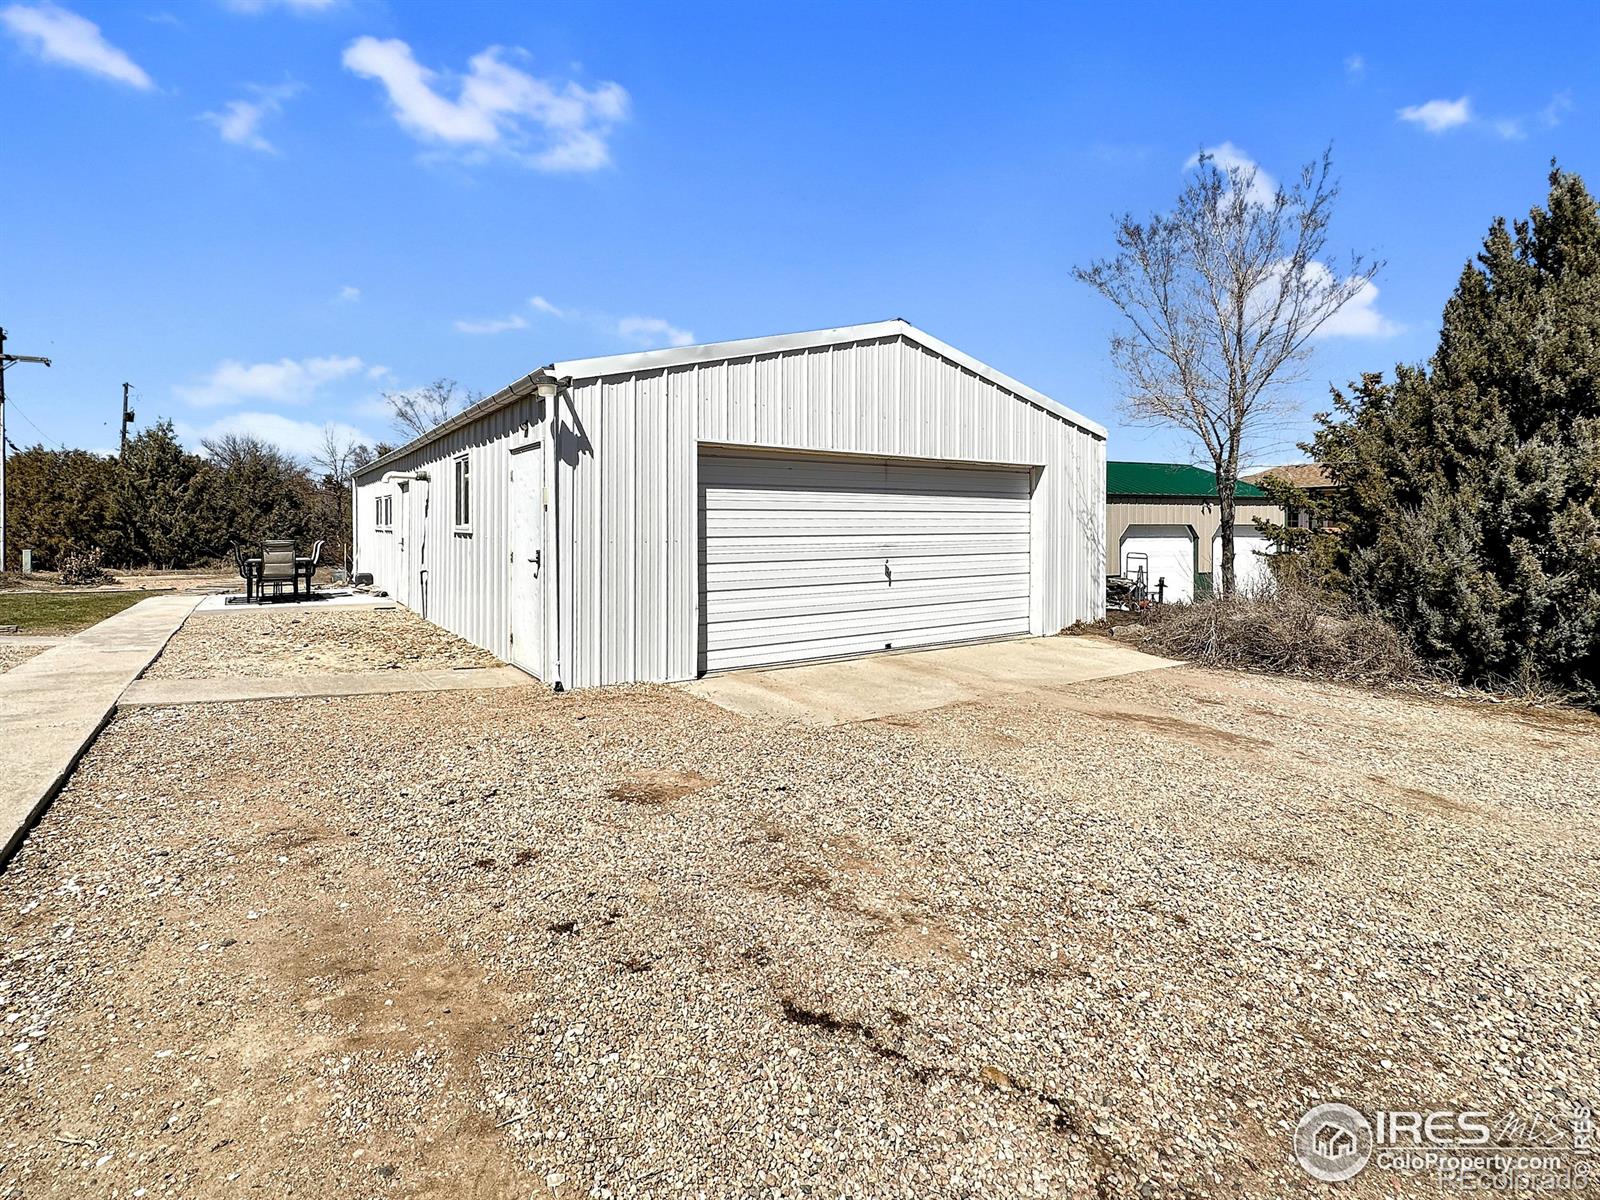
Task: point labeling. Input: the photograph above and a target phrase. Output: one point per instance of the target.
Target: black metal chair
(248, 568)
(278, 567)
(307, 566)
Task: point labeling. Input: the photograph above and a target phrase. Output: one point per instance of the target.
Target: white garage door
(1251, 570)
(812, 558)
(1166, 552)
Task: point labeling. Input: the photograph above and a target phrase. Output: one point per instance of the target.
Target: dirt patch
(657, 787)
(1193, 731)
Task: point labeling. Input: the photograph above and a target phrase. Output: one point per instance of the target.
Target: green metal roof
(1169, 479)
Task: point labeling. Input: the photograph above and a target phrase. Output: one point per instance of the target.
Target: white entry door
(810, 558)
(527, 559)
(403, 526)
(1165, 552)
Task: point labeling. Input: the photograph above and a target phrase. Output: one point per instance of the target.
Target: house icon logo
(1332, 1142)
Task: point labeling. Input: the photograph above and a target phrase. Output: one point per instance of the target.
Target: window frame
(383, 512)
(461, 493)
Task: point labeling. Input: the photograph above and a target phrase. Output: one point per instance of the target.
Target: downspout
(555, 534)
(350, 567)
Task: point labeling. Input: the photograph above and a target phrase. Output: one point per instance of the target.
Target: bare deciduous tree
(337, 457)
(1220, 299)
(415, 412)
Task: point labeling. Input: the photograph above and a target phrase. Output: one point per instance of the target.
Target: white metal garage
(648, 517)
(1166, 553)
(810, 558)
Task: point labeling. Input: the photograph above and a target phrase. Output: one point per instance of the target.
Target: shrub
(84, 569)
(1287, 631)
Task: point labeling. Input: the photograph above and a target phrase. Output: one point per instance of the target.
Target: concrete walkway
(151, 693)
(52, 706)
(884, 685)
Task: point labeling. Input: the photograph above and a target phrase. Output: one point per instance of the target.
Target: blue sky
(265, 212)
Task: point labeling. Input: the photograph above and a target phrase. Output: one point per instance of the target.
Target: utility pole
(5, 361)
(127, 419)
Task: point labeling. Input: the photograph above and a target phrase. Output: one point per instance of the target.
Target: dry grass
(1286, 632)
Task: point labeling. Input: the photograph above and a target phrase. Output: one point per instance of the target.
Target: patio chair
(247, 571)
(308, 565)
(278, 567)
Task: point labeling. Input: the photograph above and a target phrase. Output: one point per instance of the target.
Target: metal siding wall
(629, 492)
(469, 582)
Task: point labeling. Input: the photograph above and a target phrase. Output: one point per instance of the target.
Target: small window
(383, 512)
(463, 493)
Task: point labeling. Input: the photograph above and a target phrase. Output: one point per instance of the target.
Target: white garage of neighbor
(1166, 555)
(651, 517)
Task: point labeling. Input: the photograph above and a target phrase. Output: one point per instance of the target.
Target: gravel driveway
(1108, 941)
(263, 643)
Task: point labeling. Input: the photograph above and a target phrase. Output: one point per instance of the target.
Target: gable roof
(655, 360)
(1300, 475)
(1178, 480)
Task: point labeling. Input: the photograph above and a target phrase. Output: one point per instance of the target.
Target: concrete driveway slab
(884, 685)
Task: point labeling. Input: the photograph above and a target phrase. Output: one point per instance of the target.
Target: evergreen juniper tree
(1470, 513)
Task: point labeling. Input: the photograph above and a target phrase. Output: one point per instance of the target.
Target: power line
(44, 436)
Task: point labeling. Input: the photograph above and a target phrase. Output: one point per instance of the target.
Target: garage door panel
(733, 576)
(1252, 568)
(794, 555)
(855, 523)
(844, 500)
(814, 476)
(859, 597)
(882, 625)
(756, 549)
(846, 644)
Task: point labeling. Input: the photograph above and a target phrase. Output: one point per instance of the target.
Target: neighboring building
(654, 516)
(1310, 478)
(1163, 516)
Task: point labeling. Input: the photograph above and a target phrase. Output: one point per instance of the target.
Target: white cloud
(1355, 66)
(349, 293)
(1551, 114)
(492, 324)
(653, 331)
(1509, 128)
(1233, 161)
(1359, 318)
(287, 381)
(498, 109)
(240, 121)
(59, 36)
(1438, 116)
(300, 439)
(540, 304)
